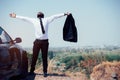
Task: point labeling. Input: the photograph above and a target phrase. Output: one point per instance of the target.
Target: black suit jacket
(69, 29)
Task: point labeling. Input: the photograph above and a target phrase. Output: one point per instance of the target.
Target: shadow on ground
(32, 77)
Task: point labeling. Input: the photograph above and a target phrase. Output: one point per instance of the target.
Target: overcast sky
(97, 21)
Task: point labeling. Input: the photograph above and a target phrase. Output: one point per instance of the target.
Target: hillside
(75, 63)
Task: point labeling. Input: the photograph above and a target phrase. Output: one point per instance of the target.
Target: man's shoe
(31, 73)
(45, 74)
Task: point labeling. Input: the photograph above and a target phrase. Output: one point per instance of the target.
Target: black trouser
(43, 45)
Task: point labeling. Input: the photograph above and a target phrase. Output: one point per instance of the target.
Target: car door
(13, 59)
(10, 55)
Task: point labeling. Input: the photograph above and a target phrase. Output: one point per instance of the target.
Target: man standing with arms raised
(41, 32)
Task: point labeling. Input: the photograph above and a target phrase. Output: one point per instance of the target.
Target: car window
(4, 37)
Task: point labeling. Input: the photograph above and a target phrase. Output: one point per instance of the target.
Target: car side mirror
(18, 40)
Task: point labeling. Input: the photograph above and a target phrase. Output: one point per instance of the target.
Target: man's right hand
(67, 13)
(12, 15)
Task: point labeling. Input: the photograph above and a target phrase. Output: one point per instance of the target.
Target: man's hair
(40, 15)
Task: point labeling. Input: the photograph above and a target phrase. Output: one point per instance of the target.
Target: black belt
(41, 39)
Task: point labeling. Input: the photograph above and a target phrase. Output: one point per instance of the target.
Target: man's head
(40, 15)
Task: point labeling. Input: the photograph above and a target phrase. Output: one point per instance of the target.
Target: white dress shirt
(36, 22)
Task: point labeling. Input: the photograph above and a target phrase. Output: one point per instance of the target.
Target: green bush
(71, 61)
(112, 57)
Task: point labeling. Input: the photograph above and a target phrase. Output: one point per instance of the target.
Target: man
(41, 32)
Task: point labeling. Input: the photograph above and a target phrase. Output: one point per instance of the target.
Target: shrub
(112, 57)
(72, 61)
